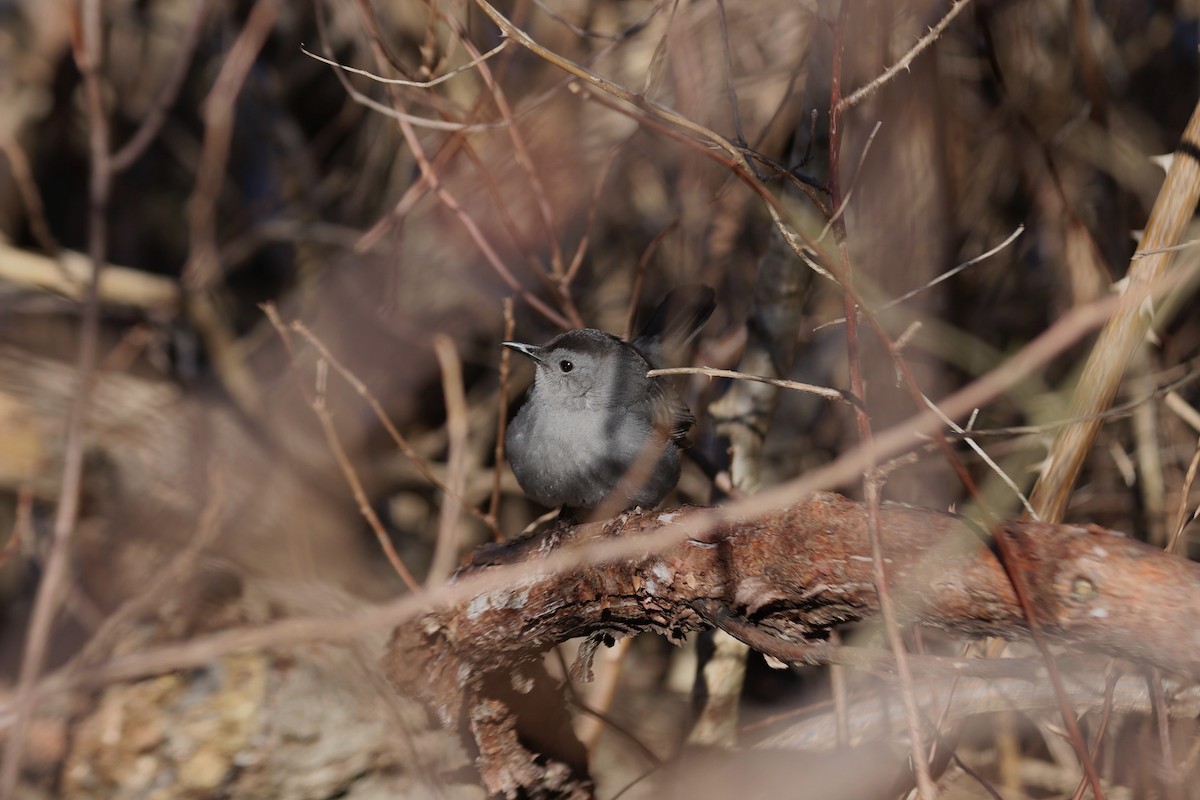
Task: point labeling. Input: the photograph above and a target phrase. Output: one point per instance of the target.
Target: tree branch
(795, 574)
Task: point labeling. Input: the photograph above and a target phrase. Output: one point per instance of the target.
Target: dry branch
(796, 574)
(1125, 332)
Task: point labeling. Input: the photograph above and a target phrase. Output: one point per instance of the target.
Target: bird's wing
(671, 415)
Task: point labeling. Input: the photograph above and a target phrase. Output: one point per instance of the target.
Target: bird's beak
(528, 350)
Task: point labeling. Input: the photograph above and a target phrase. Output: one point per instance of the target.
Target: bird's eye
(566, 366)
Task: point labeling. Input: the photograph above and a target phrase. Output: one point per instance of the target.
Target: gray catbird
(593, 426)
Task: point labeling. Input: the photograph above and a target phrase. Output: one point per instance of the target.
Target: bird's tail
(666, 335)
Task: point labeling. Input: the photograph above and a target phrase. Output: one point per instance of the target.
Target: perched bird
(593, 427)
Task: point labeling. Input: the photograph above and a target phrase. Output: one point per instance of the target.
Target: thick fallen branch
(794, 574)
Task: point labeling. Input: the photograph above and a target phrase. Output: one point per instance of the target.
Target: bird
(594, 430)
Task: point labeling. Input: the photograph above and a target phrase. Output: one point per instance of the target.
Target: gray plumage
(593, 426)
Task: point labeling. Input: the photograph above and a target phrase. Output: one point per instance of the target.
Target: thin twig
(637, 25)
(1167, 392)
(412, 119)
(862, 157)
(856, 97)
(401, 81)
(401, 442)
(821, 391)
(966, 437)
(22, 528)
(525, 162)
(593, 207)
(730, 93)
(635, 99)
(316, 401)
(445, 554)
(203, 265)
(356, 487)
(639, 277)
(1170, 774)
(1190, 243)
(451, 202)
(175, 572)
(839, 688)
(31, 196)
(87, 40)
(926, 788)
(1182, 410)
(1181, 516)
(987, 787)
(152, 123)
(950, 273)
(501, 417)
(804, 248)
(1110, 686)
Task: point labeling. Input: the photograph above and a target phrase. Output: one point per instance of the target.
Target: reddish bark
(795, 574)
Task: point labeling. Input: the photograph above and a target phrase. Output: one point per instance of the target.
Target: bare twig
(966, 437)
(1174, 789)
(316, 401)
(445, 555)
(401, 81)
(636, 99)
(501, 417)
(447, 199)
(203, 265)
(593, 207)
(856, 97)
(635, 293)
(87, 41)
(1105, 715)
(153, 121)
(637, 25)
(821, 391)
(1172, 249)
(1181, 516)
(400, 440)
(558, 269)
(730, 93)
(174, 573)
(1184, 411)
(22, 525)
(926, 788)
(950, 273)
(356, 487)
(804, 248)
(31, 196)
(841, 208)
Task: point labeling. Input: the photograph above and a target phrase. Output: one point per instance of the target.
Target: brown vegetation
(255, 262)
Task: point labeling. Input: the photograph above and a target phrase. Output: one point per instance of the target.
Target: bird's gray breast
(578, 457)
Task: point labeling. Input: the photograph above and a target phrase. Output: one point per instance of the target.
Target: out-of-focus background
(232, 473)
